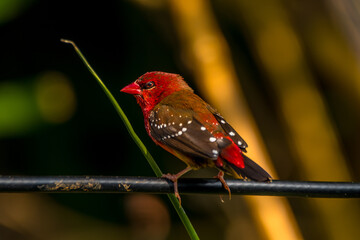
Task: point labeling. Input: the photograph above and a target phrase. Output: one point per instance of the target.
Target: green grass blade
(180, 211)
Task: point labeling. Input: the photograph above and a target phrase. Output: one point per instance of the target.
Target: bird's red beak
(132, 88)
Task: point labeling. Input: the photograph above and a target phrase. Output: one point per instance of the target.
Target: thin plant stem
(180, 211)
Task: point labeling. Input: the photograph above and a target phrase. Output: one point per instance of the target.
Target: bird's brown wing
(238, 140)
(177, 128)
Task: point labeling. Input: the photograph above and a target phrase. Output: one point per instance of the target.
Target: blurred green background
(285, 73)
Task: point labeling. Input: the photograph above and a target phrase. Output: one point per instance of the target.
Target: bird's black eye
(149, 85)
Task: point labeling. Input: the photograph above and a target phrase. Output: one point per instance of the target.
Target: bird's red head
(152, 87)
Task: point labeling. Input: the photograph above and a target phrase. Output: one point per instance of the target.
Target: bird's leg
(174, 178)
(220, 176)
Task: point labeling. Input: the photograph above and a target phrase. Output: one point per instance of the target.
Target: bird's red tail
(252, 171)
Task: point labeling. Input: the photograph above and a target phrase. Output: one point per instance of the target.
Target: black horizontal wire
(107, 184)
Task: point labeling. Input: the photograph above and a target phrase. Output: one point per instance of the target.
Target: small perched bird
(186, 126)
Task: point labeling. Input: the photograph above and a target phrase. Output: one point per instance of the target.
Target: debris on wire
(110, 184)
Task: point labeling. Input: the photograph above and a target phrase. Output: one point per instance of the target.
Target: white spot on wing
(180, 124)
(215, 151)
(203, 128)
(239, 143)
(189, 121)
(222, 121)
(184, 129)
(180, 132)
(212, 139)
(231, 133)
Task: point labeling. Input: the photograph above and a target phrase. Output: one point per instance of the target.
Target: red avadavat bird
(186, 126)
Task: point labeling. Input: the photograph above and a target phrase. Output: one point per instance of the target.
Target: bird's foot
(220, 176)
(173, 178)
